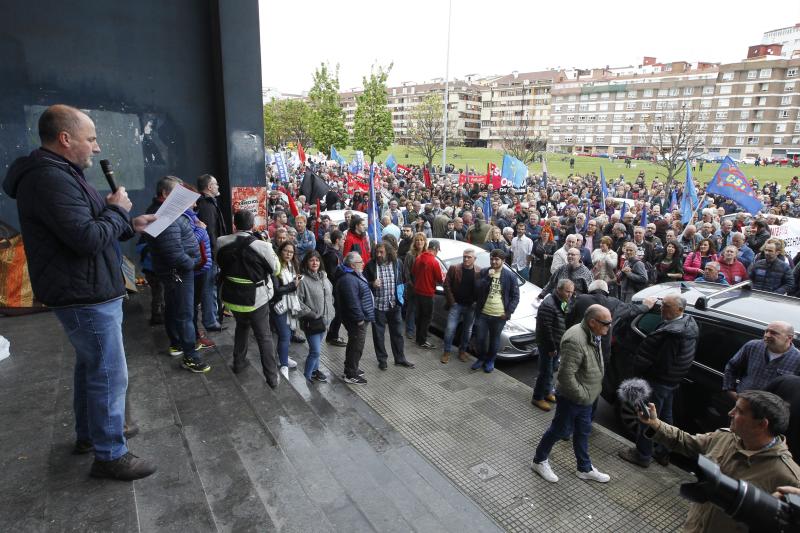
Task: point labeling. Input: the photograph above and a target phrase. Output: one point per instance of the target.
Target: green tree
(372, 127)
(295, 120)
(327, 117)
(273, 131)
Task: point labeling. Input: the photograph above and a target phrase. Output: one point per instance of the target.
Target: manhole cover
(484, 471)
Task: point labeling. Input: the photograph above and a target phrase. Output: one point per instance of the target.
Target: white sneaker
(285, 371)
(594, 475)
(292, 363)
(544, 470)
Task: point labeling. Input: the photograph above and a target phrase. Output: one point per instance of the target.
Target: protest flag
(673, 201)
(301, 153)
(623, 210)
(689, 198)
(391, 163)
(280, 164)
(292, 205)
(427, 177)
(373, 228)
(514, 170)
(729, 181)
(603, 189)
(644, 216)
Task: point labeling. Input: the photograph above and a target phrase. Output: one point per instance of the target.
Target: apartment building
(744, 109)
(463, 109)
(518, 103)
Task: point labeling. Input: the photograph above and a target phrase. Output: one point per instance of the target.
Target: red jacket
(731, 272)
(427, 274)
(693, 265)
(361, 245)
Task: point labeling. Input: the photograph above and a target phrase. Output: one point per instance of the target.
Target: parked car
(727, 317)
(518, 338)
(337, 215)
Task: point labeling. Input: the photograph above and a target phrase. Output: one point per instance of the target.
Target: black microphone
(636, 392)
(105, 164)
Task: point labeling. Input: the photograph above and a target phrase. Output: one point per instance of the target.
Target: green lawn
(478, 158)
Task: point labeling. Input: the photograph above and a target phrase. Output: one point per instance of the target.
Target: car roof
(451, 248)
(739, 302)
(337, 215)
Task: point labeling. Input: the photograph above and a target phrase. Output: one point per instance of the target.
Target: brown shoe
(445, 358)
(542, 404)
(462, 356)
(550, 398)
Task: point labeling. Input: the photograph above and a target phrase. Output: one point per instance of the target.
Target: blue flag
(280, 163)
(586, 221)
(336, 157)
(360, 159)
(689, 198)
(373, 227)
(731, 183)
(623, 210)
(644, 216)
(391, 163)
(603, 189)
(514, 170)
(673, 202)
(487, 208)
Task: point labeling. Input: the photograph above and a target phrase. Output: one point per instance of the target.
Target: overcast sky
(500, 36)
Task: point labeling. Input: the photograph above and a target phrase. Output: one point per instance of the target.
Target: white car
(518, 338)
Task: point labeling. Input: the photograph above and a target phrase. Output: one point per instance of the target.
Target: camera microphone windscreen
(105, 165)
(636, 392)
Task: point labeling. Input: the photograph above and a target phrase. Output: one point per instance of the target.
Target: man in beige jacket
(753, 449)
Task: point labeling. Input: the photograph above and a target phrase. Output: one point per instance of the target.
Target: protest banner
(254, 199)
(789, 233)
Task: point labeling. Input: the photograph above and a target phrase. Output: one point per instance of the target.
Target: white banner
(790, 233)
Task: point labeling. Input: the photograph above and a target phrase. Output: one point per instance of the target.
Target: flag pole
(446, 88)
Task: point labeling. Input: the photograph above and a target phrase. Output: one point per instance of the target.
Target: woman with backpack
(316, 303)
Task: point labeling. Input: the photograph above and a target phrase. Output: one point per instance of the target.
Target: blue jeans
(179, 314)
(208, 300)
(570, 418)
(662, 399)
(544, 382)
(488, 328)
(312, 361)
(284, 337)
(459, 313)
(101, 375)
(410, 309)
(525, 273)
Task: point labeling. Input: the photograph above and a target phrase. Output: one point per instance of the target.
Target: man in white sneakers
(579, 382)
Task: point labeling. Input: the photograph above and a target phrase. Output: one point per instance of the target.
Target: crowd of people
(301, 277)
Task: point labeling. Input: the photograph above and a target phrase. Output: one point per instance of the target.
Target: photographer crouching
(753, 450)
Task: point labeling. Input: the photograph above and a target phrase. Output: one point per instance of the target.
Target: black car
(727, 317)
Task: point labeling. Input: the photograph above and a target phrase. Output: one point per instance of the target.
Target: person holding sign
(71, 236)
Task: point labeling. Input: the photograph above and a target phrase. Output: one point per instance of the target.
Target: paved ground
(435, 448)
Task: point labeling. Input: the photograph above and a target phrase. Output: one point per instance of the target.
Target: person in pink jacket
(696, 261)
(730, 267)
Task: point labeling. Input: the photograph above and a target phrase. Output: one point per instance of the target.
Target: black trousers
(336, 323)
(259, 321)
(157, 295)
(356, 337)
(424, 312)
(394, 319)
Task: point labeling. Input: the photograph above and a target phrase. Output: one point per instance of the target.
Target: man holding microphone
(71, 237)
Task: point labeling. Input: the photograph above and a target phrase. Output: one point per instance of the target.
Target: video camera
(742, 501)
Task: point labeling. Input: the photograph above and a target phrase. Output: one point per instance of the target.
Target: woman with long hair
(695, 262)
(669, 264)
(418, 245)
(316, 303)
(285, 305)
(495, 241)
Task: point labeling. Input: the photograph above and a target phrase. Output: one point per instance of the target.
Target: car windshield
(482, 261)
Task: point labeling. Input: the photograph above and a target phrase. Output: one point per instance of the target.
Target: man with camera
(752, 449)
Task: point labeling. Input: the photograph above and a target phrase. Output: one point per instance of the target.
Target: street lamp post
(446, 87)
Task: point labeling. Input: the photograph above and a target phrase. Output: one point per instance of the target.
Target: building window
(792, 72)
(688, 91)
(570, 118)
(739, 141)
(605, 95)
(764, 87)
(593, 96)
(747, 101)
(618, 106)
(786, 100)
(704, 115)
(708, 90)
(662, 92)
(765, 73)
(723, 102)
(777, 140)
(705, 103)
(603, 107)
(752, 140)
(721, 115)
(602, 118)
(780, 128)
(789, 87)
(631, 94)
(647, 93)
(616, 128)
(615, 139)
(742, 128)
(570, 108)
(750, 87)
(716, 141)
(797, 126)
(719, 128)
(626, 139)
(584, 98)
(583, 107)
(628, 116)
(759, 114)
(673, 91)
(756, 128)
(725, 89)
(660, 104)
(752, 74)
(727, 76)
(762, 100)
(630, 106)
(645, 105)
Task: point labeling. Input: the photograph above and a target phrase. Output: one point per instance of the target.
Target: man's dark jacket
(69, 232)
(509, 290)
(453, 280)
(176, 248)
(209, 212)
(550, 324)
(620, 312)
(666, 355)
(354, 300)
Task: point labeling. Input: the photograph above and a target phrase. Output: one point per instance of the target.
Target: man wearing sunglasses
(663, 359)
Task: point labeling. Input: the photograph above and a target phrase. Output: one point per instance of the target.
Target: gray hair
(679, 300)
(434, 245)
(351, 258)
(714, 265)
(598, 284)
(564, 283)
(620, 227)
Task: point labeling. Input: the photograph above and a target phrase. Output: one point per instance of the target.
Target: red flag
(301, 153)
(402, 168)
(427, 176)
(462, 179)
(292, 205)
(316, 222)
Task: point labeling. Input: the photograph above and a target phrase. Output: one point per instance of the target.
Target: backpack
(243, 270)
(652, 273)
